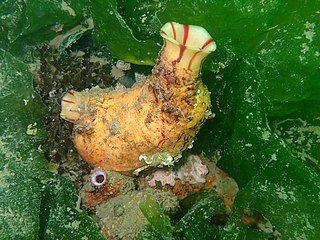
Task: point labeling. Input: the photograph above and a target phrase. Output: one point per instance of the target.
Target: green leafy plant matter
(192, 219)
(264, 79)
(159, 221)
(200, 209)
(121, 41)
(33, 201)
(25, 23)
(21, 166)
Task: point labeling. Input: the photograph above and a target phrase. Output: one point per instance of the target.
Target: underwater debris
(193, 172)
(196, 174)
(255, 219)
(121, 216)
(161, 176)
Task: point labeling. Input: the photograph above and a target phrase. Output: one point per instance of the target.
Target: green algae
(264, 83)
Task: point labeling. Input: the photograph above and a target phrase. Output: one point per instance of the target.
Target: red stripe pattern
(185, 34)
(173, 31)
(69, 107)
(183, 42)
(68, 101)
(210, 40)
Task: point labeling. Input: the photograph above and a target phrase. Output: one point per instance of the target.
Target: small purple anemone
(98, 177)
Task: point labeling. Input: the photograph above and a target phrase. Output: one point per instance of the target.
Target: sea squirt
(124, 129)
